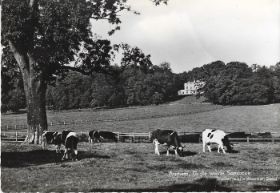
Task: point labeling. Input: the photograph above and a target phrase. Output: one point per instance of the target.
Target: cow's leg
(223, 149)
(167, 152)
(209, 147)
(44, 143)
(65, 155)
(219, 148)
(203, 146)
(58, 148)
(76, 154)
(176, 152)
(156, 147)
(89, 140)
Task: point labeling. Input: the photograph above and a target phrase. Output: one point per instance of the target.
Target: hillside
(181, 115)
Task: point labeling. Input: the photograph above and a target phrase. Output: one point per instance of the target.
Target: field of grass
(135, 167)
(180, 116)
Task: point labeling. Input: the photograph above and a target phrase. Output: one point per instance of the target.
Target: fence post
(118, 136)
(16, 136)
(248, 139)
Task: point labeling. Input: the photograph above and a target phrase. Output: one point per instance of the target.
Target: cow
(168, 138)
(102, 135)
(70, 140)
(48, 138)
(219, 137)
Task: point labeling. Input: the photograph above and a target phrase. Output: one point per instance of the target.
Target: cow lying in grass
(68, 138)
(168, 138)
(210, 136)
(98, 136)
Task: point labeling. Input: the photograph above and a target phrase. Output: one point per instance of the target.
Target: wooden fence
(18, 136)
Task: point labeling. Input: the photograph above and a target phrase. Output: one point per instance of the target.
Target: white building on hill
(191, 88)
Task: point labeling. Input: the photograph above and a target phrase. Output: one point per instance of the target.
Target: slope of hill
(180, 115)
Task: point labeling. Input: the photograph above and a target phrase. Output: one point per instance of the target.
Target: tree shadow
(38, 157)
(200, 185)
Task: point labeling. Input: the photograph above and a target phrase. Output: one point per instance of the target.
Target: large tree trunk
(36, 109)
(35, 88)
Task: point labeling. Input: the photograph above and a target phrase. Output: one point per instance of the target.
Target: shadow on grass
(232, 151)
(215, 149)
(182, 154)
(200, 185)
(38, 157)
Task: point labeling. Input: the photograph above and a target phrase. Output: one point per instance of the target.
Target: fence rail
(17, 136)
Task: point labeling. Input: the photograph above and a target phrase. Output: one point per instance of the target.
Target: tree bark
(35, 91)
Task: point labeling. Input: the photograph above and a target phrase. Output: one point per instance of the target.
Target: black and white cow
(70, 140)
(102, 135)
(168, 138)
(48, 138)
(210, 136)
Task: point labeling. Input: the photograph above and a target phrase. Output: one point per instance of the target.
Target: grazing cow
(102, 135)
(166, 137)
(215, 136)
(48, 138)
(70, 140)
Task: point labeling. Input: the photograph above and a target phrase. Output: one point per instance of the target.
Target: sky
(191, 33)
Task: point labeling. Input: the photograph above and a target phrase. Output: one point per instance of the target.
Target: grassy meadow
(182, 115)
(134, 166)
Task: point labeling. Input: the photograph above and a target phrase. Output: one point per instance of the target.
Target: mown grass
(135, 167)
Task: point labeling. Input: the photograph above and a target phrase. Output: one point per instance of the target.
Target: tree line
(236, 83)
(131, 83)
(130, 86)
(135, 81)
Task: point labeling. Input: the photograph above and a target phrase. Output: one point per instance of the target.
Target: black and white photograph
(140, 95)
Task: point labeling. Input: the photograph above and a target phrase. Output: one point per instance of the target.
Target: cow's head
(227, 144)
(57, 138)
(180, 149)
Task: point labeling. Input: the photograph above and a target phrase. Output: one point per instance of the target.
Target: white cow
(215, 136)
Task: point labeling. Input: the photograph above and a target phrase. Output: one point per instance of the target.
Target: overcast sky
(191, 33)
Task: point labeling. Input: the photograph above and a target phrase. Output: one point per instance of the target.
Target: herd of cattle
(168, 138)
